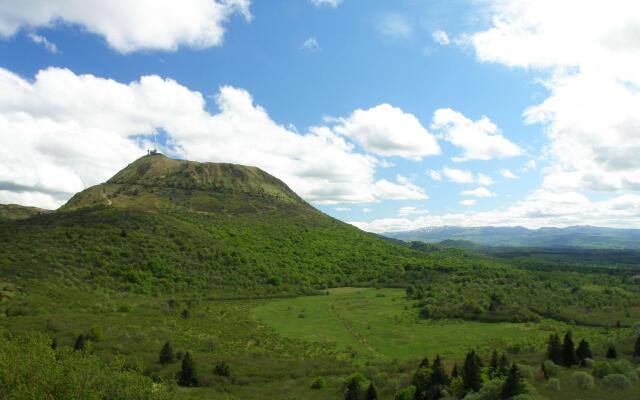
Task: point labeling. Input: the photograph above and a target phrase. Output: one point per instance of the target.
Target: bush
(604, 368)
(222, 369)
(94, 334)
(405, 394)
(589, 363)
(551, 369)
(319, 383)
(526, 371)
(582, 380)
(616, 381)
(124, 308)
(553, 385)
(491, 390)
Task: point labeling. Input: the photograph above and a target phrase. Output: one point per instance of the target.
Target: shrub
(319, 383)
(551, 369)
(491, 390)
(222, 369)
(616, 381)
(124, 308)
(405, 394)
(526, 371)
(582, 380)
(553, 384)
(94, 334)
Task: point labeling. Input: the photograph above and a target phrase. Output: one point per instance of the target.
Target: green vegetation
(15, 211)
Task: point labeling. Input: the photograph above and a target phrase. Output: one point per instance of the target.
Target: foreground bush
(31, 369)
(616, 381)
(582, 380)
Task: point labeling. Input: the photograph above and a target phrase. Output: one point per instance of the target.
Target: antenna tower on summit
(155, 145)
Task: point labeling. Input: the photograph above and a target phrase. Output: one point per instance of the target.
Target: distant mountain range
(573, 236)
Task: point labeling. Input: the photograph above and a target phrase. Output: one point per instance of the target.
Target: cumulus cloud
(410, 210)
(480, 140)
(506, 173)
(435, 175)
(64, 132)
(592, 72)
(129, 26)
(460, 176)
(395, 26)
(388, 131)
(441, 38)
(310, 44)
(468, 202)
(540, 209)
(328, 3)
(478, 192)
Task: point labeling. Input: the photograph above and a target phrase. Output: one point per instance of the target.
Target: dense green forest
(185, 280)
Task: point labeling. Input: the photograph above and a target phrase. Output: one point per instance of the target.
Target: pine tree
(514, 385)
(568, 351)
(554, 349)
(353, 390)
(54, 344)
(81, 343)
(503, 366)
(583, 352)
(471, 378)
(372, 393)
(438, 374)
(636, 349)
(612, 352)
(166, 354)
(187, 375)
(493, 365)
(454, 371)
(424, 363)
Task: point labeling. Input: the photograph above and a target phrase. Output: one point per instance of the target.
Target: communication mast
(155, 145)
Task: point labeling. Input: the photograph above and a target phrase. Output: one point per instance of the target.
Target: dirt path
(358, 337)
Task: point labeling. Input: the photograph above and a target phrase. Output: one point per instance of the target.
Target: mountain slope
(15, 211)
(575, 236)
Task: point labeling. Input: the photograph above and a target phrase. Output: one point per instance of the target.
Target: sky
(390, 115)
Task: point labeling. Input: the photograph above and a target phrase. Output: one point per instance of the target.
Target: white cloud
(396, 26)
(342, 209)
(441, 38)
(366, 210)
(592, 71)
(129, 26)
(435, 175)
(404, 211)
(478, 192)
(41, 40)
(468, 202)
(64, 132)
(461, 176)
(328, 3)
(506, 173)
(310, 44)
(388, 131)
(480, 140)
(530, 165)
(541, 208)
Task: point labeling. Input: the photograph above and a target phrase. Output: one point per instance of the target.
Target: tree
(612, 352)
(54, 344)
(187, 376)
(354, 389)
(372, 393)
(514, 385)
(166, 354)
(424, 363)
(438, 374)
(493, 365)
(503, 366)
(583, 352)
(554, 349)
(454, 371)
(222, 369)
(471, 378)
(636, 349)
(422, 383)
(568, 351)
(81, 343)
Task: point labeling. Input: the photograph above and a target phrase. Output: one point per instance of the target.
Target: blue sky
(294, 68)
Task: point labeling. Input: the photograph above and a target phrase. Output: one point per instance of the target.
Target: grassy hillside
(15, 211)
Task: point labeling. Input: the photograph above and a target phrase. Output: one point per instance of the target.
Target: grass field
(380, 323)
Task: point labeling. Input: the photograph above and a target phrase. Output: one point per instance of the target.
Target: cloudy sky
(389, 115)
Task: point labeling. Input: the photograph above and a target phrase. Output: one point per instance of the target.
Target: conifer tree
(612, 352)
(438, 374)
(503, 366)
(372, 393)
(353, 390)
(554, 349)
(636, 349)
(424, 363)
(493, 365)
(454, 371)
(166, 354)
(514, 385)
(187, 376)
(583, 352)
(568, 351)
(471, 378)
(54, 344)
(81, 343)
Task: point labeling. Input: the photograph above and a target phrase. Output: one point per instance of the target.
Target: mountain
(15, 211)
(574, 236)
(170, 225)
